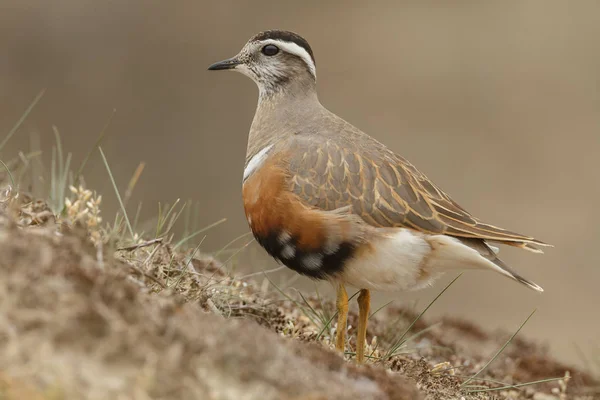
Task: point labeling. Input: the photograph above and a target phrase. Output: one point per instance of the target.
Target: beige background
(499, 103)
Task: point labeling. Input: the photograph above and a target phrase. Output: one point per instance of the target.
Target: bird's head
(276, 60)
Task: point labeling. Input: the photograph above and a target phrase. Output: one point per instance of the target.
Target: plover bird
(330, 202)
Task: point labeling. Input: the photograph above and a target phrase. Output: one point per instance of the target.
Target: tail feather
(507, 271)
(487, 232)
(490, 254)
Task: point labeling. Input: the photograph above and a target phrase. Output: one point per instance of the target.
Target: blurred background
(497, 102)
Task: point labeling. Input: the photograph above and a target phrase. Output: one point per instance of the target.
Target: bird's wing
(385, 190)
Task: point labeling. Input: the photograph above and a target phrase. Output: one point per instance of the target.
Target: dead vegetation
(83, 319)
(75, 328)
(97, 310)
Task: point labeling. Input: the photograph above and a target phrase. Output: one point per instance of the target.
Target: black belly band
(316, 263)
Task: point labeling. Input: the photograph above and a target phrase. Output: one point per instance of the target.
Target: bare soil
(79, 321)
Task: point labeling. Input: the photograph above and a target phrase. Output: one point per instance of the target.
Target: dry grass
(137, 328)
(90, 310)
(79, 320)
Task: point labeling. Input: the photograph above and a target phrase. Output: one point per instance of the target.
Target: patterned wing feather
(385, 190)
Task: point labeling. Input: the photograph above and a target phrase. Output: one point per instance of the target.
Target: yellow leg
(342, 309)
(364, 303)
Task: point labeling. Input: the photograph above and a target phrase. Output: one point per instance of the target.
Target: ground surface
(85, 321)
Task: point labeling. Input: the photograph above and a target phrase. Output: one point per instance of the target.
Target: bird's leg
(364, 303)
(342, 310)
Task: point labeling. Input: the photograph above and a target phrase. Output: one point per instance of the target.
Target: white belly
(403, 259)
(391, 262)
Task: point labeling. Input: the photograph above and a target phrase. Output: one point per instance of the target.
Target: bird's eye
(270, 50)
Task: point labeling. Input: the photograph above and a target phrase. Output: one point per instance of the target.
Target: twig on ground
(152, 278)
(140, 245)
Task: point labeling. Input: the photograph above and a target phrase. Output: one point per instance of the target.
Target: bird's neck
(280, 115)
(274, 87)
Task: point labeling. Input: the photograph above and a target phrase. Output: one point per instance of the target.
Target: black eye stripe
(270, 50)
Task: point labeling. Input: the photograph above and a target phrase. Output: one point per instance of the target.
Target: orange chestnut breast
(291, 232)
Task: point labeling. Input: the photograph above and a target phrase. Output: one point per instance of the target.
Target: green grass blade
(63, 183)
(186, 218)
(133, 182)
(499, 351)
(191, 257)
(191, 236)
(158, 219)
(518, 385)
(59, 175)
(61, 165)
(324, 310)
(162, 221)
(328, 324)
(312, 309)
(96, 145)
(297, 303)
(235, 253)
(12, 180)
(112, 179)
(53, 181)
(416, 335)
(187, 264)
(174, 219)
(137, 216)
(222, 249)
(487, 380)
(16, 127)
(399, 342)
(380, 308)
(26, 164)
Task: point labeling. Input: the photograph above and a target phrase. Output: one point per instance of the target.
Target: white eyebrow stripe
(299, 51)
(256, 161)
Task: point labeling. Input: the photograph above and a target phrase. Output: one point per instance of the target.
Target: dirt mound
(75, 328)
(82, 319)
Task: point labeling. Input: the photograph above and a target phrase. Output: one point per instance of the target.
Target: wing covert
(383, 189)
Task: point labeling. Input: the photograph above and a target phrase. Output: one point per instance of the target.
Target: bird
(332, 203)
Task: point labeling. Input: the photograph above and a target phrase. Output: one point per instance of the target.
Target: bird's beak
(230, 63)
